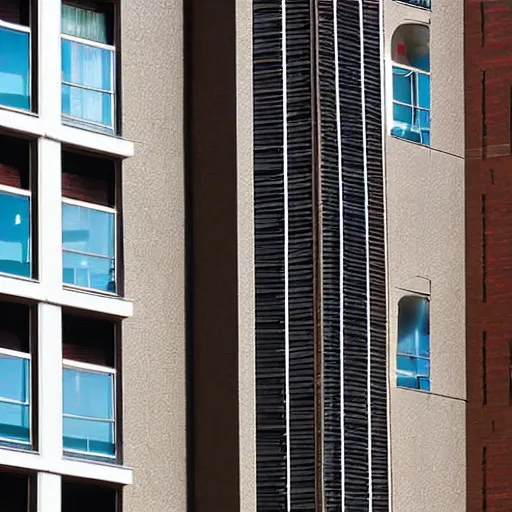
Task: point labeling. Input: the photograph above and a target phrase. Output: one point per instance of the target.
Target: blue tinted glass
(424, 383)
(423, 367)
(15, 234)
(89, 271)
(87, 65)
(403, 114)
(14, 69)
(84, 23)
(402, 85)
(15, 422)
(87, 230)
(418, 3)
(90, 106)
(423, 90)
(89, 436)
(14, 378)
(413, 327)
(88, 394)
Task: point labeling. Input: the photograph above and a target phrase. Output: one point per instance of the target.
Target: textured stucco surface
(154, 339)
(246, 285)
(428, 452)
(426, 255)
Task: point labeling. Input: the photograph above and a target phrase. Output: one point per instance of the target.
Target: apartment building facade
(254, 255)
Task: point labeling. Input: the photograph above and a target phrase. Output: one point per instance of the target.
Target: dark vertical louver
(329, 235)
(355, 300)
(300, 254)
(378, 375)
(336, 267)
(269, 258)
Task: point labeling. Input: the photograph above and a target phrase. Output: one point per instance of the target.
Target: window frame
(84, 124)
(104, 209)
(409, 4)
(32, 52)
(5, 441)
(415, 107)
(412, 356)
(102, 370)
(6, 189)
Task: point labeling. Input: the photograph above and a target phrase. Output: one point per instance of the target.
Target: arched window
(411, 83)
(413, 353)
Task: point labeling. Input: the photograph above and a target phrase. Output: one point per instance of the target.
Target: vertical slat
(355, 340)
(300, 273)
(378, 374)
(330, 241)
(269, 257)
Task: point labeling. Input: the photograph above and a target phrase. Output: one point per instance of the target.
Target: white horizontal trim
(108, 304)
(87, 88)
(89, 255)
(14, 353)
(21, 121)
(94, 141)
(79, 365)
(89, 42)
(91, 206)
(112, 421)
(15, 191)
(30, 124)
(411, 68)
(91, 470)
(15, 26)
(15, 442)
(77, 299)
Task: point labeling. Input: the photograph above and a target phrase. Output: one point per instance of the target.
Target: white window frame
(104, 370)
(48, 459)
(25, 193)
(20, 355)
(27, 30)
(105, 209)
(414, 94)
(73, 120)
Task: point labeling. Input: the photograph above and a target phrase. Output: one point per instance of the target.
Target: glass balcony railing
(88, 411)
(15, 233)
(14, 399)
(15, 67)
(88, 242)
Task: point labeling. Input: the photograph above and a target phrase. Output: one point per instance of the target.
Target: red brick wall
(488, 76)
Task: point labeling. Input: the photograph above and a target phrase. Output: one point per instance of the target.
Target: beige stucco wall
(154, 339)
(246, 284)
(426, 247)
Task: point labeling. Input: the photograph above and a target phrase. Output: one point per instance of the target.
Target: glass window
(15, 234)
(411, 83)
(82, 496)
(413, 353)
(14, 373)
(89, 412)
(87, 69)
(88, 243)
(16, 489)
(425, 4)
(14, 399)
(15, 67)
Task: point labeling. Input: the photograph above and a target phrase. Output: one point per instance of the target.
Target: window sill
(96, 141)
(68, 467)
(419, 144)
(30, 123)
(75, 299)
